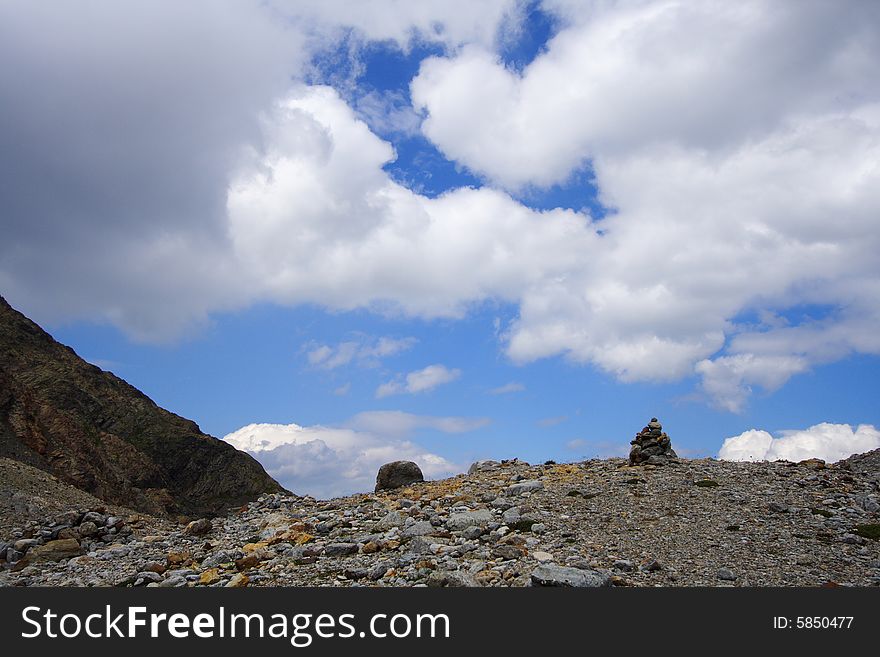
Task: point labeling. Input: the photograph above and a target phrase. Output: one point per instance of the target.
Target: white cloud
(342, 390)
(742, 176)
(400, 424)
(388, 113)
(367, 352)
(830, 442)
(507, 388)
(728, 379)
(418, 381)
(329, 462)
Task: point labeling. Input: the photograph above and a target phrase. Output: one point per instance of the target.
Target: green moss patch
(871, 531)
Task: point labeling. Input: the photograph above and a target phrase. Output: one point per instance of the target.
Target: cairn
(651, 446)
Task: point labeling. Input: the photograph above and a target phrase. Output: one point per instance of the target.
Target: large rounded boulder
(398, 473)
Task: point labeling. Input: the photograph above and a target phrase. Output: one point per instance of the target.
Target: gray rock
(465, 519)
(511, 516)
(553, 575)
(146, 577)
(473, 533)
(390, 520)
(527, 486)
(420, 528)
(87, 528)
(173, 582)
(539, 528)
(726, 574)
(340, 549)
(624, 564)
(451, 579)
(93, 516)
(419, 545)
(217, 558)
(477, 466)
(396, 474)
(25, 544)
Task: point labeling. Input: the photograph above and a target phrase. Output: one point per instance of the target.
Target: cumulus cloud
(418, 381)
(122, 131)
(826, 441)
(400, 424)
(741, 176)
(367, 352)
(507, 388)
(330, 461)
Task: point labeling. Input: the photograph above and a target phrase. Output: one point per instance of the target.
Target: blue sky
(453, 232)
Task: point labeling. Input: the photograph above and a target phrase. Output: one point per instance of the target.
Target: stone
(177, 558)
(93, 516)
(464, 519)
(504, 551)
(390, 520)
(210, 576)
(63, 548)
(248, 562)
(651, 446)
(145, 577)
(450, 579)
(477, 466)
(527, 486)
(340, 549)
(25, 544)
(540, 555)
(420, 528)
(473, 533)
(198, 527)
(88, 528)
(397, 474)
(239, 580)
(727, 575)
(552, 575)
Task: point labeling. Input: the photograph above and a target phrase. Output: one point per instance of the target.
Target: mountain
(94, 431)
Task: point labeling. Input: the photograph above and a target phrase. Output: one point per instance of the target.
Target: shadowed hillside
(96, 432)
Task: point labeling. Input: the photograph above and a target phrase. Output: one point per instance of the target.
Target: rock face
(651, 445)
(397, 474)
(94, 431)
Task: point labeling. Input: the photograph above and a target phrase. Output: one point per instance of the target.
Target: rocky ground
(598, 522)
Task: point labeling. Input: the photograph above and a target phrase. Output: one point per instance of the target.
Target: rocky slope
(94, 431)
(598, 522)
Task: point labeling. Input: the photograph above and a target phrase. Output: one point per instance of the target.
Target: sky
(342, 234)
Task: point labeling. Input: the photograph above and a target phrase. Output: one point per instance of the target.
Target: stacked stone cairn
(651, 446)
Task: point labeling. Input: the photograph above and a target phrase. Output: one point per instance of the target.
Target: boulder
(552, 575)
(398, 473)
(64, 548)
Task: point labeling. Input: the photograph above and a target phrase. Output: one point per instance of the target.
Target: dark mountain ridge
(96, 432)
